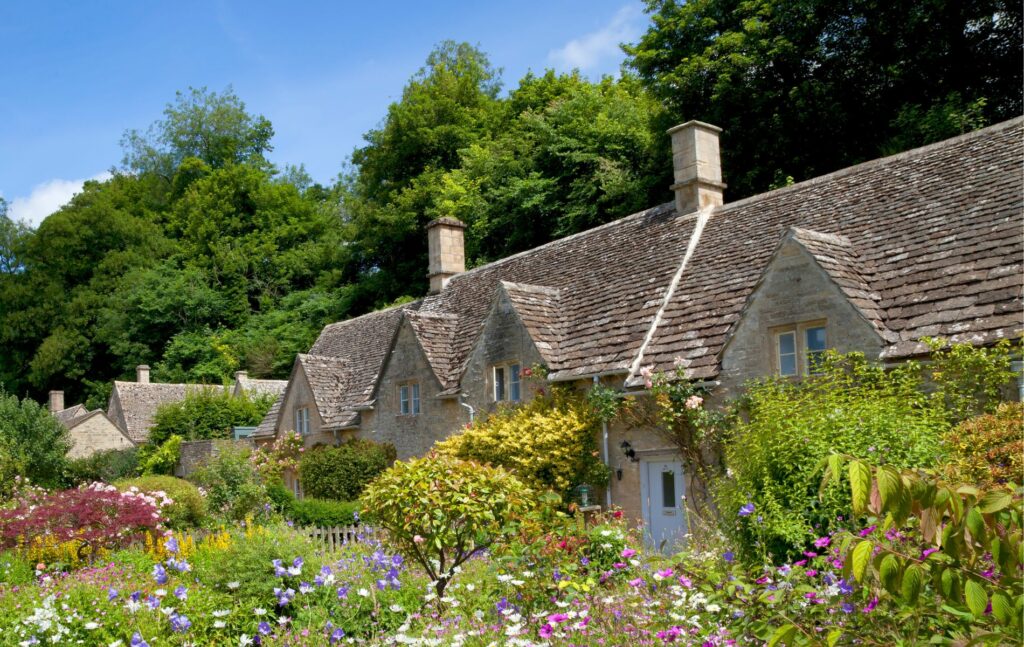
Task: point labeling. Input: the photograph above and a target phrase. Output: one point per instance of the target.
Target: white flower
(504, 578)
(397, 608)
(219, 624)
(234, 585)
(244, 640)
(116, 643)
(363, 593)
(259, 611)
(283, 620)
(220, 613)
(91, 625)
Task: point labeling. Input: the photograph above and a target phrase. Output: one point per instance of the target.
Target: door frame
(645, 492)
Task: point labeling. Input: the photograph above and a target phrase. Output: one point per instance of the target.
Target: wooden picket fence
(337, 536)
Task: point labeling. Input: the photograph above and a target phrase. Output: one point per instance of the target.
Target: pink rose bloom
(418, 539)
(694, 402)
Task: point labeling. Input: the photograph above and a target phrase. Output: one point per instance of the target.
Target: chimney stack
(697, 166)
(56, 401)
(241, 375)
(447, 251)
(142, 374)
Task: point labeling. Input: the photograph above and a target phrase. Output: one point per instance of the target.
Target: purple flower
(337, 635)
(111, 594)
(685, 582)
(264, 628)
(844, 587)
(279, 571)
(729, 556)
(546, 631)
(746, 510)
(160, 574)
(846, 607)
(928, 551)
(822, 542)
(179, 623)
(153, 602)
(181, 593)
(627, 553)
(171, 545)
(342, 592)
(137, 640)
(867, 531)
(871, 605)
(584, 560)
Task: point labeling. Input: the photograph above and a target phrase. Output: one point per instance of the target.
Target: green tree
(207, 413)
(804, 88)
(33, 443)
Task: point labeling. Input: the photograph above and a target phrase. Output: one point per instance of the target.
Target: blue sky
(75, 75)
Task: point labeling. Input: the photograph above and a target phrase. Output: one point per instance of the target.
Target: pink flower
(546, 631)
(556, 618)
(627, 553)
(637, 582)
(871, 605)
(418, 539)
(685, 582)
(927, 552)
(821, 542)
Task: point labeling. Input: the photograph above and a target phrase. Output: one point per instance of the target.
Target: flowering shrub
(187, 508)
(548, 443)
(96, 515)
(341, 473)
(283, 454)
(440, 511)
(987, 449)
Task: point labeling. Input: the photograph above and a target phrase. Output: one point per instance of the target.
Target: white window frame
(302, 421)
(799, 331)
(409, 399)
(510, 383)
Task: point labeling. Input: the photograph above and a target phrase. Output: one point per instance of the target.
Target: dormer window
(799, 348)
(409, 399)
(507, 385)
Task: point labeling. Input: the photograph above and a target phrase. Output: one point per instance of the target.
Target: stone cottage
(90, 431)
(871, 258)
(133, 405)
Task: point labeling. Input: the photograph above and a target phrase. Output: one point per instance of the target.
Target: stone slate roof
(335, 393)
(133, 405)
(67, 415)
(924, 243)
(254, 386)
(268, 426)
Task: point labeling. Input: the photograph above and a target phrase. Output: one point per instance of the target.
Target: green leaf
(995, 501)
(976, 524)
(1002, 609)
(889, 572)
(976, 598)
(861, 558)
(833, 637)
(890, 487)
(912, 580)
(782, 635)
(860, 485)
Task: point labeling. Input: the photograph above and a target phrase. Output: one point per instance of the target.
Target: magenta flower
(546, 631)
(822, 542)
(637, 582)
(927, 552)
(556, 618)
(685, 582)
(867, 531)
(627, 553)
(871, 605)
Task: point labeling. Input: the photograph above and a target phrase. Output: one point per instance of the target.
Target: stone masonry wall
(96, 434)
(195, 453)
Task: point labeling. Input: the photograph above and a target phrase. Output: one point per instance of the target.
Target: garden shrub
(969, 380)
(207, 414)
(188, 509)
(105, 466)
(769, 497)
(33, 443)
(321, 512)
(16, 569)
(548, 443)
(160, 459)
(342, 472)
(988, 449)
(440, 511)
(234, 489)
(281, 498)
(283, 454)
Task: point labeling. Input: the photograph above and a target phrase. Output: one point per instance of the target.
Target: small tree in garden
(207, 414)
(234, 489)
(32, 443)
(440, 511)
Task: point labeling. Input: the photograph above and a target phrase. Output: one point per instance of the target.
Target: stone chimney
(56, 401)
(447, 251)
(241, 375)
(142, 374)
(697, 166)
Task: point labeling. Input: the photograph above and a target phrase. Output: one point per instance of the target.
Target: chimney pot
(56, 401)
(142, 374)
(446, 251)
(697, 166)
(241, 375)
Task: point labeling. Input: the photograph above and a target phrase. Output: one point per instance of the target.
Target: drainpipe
(1018, 368)
(607, 460)
(472, 412)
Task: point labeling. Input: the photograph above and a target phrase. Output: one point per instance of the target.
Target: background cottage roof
(254, 386)
(67, 415)
(928, 242)
(134, 404)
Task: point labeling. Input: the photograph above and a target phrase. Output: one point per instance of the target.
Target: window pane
(403, 396)
(499, 383)
(415, 398)
(815, 339)
(668, 489)
(787, 344)
(787, 364)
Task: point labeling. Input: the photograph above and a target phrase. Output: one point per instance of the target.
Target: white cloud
(47, 198)
(600, 48)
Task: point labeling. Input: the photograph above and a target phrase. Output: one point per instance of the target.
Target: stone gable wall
(96, 434)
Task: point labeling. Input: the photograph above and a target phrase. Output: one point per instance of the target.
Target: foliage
(964, 548)
(207, 414)
(105, 466)
(33, 443)
(969, 380)
(989, 449)
(234, 490)
(187, 508)
(96, 515)
(160, 459)
(774, 451)
(283, 454)
(805, 88)
(342, 472)
(440, 511)
(692, 427)
(548, 443)
(312, 512)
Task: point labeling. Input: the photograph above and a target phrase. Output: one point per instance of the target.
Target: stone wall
(95, 434)
(195, 453)
(301, 395)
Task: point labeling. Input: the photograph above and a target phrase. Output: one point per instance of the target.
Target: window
(814, 342)
(409, 399)
(507, 385)
(668, 489)
(799, 348)
(302, 421)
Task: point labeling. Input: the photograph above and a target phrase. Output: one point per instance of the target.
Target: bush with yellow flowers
(987, 449)
(548, 443)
